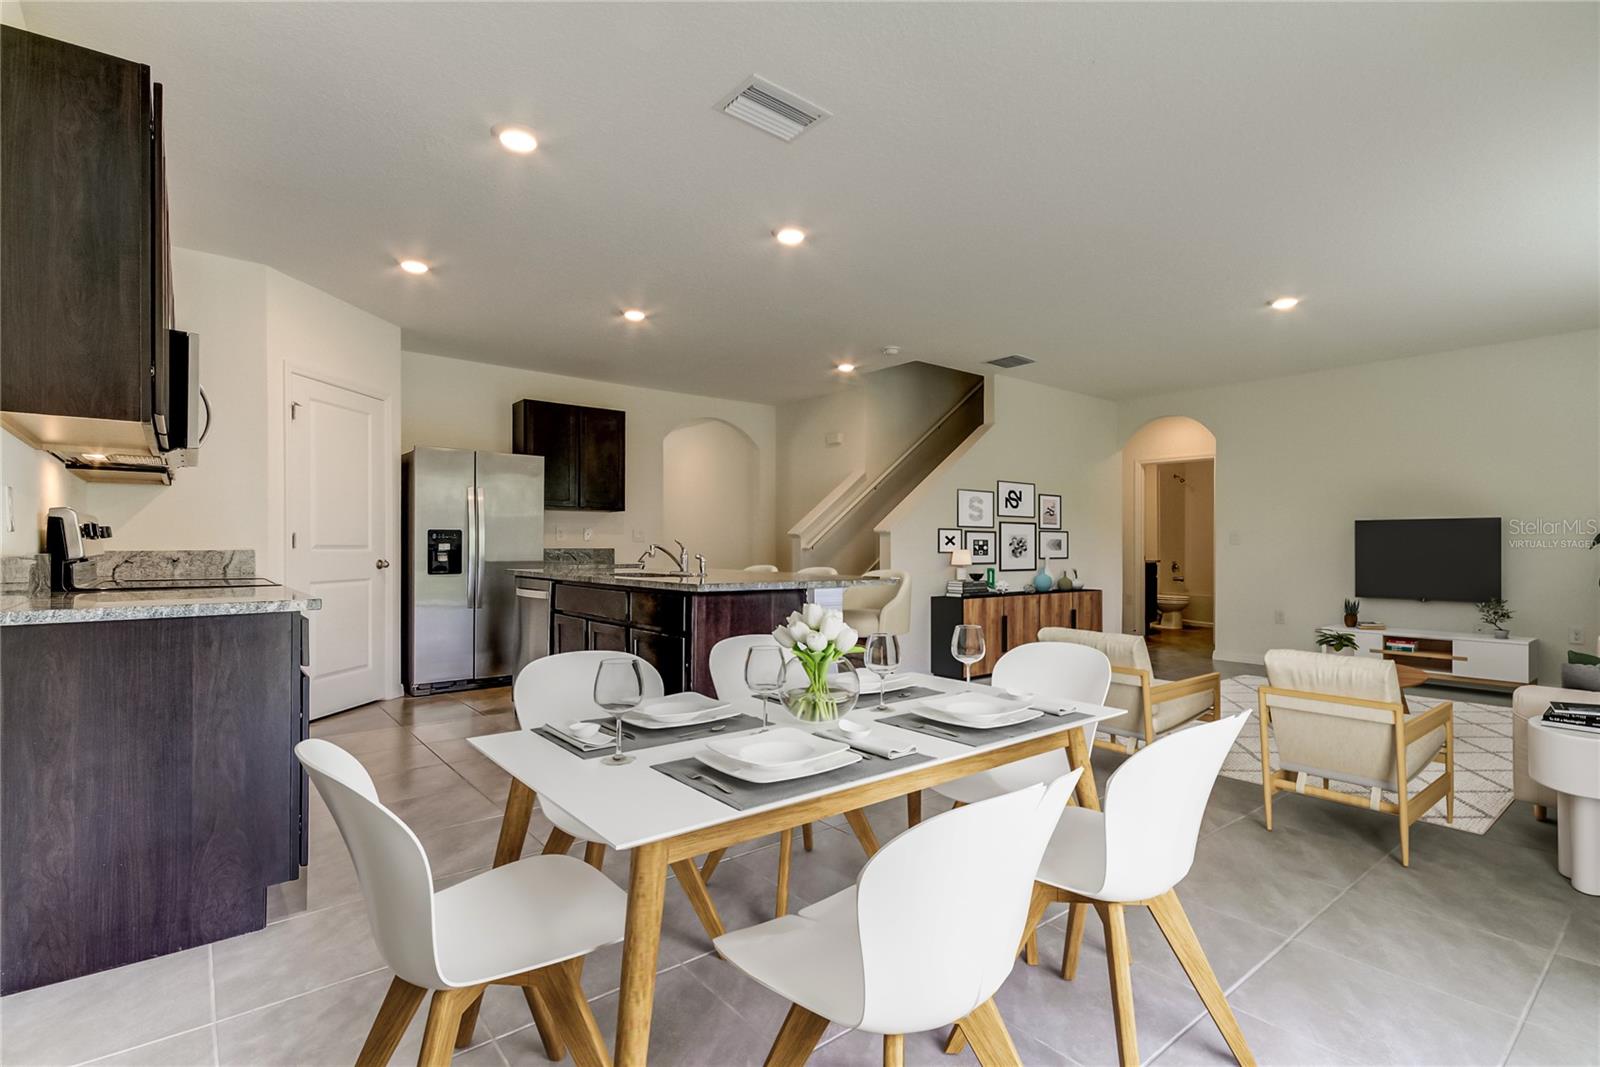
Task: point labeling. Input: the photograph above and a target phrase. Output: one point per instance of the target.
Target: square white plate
(989, 722)
(869, 683)
(975, 705)
(677, 708)
(765, 775)
(784, 747)
(714, 714)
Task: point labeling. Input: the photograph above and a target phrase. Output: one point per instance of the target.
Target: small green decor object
(1336, 641)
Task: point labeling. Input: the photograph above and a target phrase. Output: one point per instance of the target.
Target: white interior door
(336, 501)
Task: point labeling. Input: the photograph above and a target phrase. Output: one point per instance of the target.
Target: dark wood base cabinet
(1008, 620)
(149, 787)
(674, 632)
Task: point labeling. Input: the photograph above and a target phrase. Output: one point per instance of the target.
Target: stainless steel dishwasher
(533, 620)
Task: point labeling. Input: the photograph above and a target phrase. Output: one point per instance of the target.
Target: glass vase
(820, 696)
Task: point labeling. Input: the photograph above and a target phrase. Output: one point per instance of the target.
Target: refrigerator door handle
(482, 550)
(472, 547)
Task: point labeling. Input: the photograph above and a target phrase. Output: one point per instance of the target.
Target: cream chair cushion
(879, 608)
(1129, 650)
(1343, 741)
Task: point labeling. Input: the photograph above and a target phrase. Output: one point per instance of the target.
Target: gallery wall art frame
(975, 509)
(981, 544)
(1018, 545)
(1015, 500)
(949, 539)
(1049, 511)
(1054, 544)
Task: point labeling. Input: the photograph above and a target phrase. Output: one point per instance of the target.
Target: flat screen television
(1428, 559)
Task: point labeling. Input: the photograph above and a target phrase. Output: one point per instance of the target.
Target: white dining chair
(815, 572)
(918, 942)
(761, 568)
(558, 689)
(1131, 854)
(527, 924)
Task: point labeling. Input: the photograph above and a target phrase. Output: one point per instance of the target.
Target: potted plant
(1494, 613)
(1352, 611)
(1336, 641)
(820, 640)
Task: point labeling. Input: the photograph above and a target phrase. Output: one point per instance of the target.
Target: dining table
(665, 822)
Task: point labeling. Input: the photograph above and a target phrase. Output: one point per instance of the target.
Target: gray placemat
(741, 794)
(637, 739)
(870, 700)
(968, 736)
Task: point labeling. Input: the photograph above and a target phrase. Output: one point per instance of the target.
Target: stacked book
(1573, 716)
(964, 587)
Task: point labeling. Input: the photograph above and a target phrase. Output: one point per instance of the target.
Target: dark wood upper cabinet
(82, 290)
(584, 452)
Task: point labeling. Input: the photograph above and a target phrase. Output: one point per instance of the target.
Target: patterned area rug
(1483, 756)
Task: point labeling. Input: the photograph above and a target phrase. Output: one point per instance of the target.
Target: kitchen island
(670, 620)
(148, 788)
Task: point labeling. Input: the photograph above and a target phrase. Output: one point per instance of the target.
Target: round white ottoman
(1568, 761)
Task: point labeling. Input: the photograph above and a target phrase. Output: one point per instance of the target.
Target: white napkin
(878, 746)
(600, 740)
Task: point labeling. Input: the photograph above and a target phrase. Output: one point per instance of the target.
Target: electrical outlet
(1575, 637)
(1278, 617)
(833, 438)
(1234, 538)
(561, 533)
(588, 533)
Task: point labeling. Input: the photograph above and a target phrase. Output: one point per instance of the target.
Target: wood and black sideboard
(1008, 620)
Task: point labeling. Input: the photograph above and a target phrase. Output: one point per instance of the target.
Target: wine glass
(882, 658)
(966, 645)
(618, 688)
(763, 674)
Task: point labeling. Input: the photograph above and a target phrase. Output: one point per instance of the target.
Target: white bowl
(854, 729)
(582, 730)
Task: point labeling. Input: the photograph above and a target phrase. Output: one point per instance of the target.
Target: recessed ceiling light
(845, 368)
(634, 315)
(518, 139)
(413, 266)
(790, 235)
(1284, 303)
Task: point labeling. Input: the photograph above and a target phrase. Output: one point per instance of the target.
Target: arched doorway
(1169, 535)
(709, 485)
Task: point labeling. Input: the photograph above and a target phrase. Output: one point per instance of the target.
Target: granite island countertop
(19, 609)
(715, 581)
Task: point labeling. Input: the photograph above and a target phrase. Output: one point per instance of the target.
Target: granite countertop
(715, 581)
(22, 610)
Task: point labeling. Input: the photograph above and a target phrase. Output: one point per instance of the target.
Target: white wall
(36, 482)
(711, 481)
(458, 404)
(1063, 442)
(1505, 430)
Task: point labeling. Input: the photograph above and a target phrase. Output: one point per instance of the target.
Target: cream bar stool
(761, 568)
(1132, 853)
(527, 924)
(816, 572)
(879, 609)
(919, 941)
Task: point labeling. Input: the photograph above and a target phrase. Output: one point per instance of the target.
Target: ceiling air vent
(1007, 362)
(769, 108)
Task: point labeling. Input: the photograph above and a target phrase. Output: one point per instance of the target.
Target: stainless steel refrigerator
(469, 517)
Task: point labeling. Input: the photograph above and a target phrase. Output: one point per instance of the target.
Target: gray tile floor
(1330, 951)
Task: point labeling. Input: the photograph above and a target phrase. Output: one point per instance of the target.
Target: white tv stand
(1453, 658)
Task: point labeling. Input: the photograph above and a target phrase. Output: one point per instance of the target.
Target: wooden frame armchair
(1343, 718)
(1153, 706)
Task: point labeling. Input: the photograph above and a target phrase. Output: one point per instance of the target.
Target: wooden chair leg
(594, 854)
(559, 842)
(913, 808)
(863, 831)
(514, 826)
(694, 887)
(1266, 764)
(785, 846)
(713, 858)
(1117, 964)
(559, 988)
(894, 1050)
(1076, 915)
(399, 1005)
(554, 1047)
(805, 837)
(1174, 925)
(1030, 932)
(957, 1041)
(1541, 813)
(797, 1038)
(991, 1043)
(444, 1019)
(469, 1023)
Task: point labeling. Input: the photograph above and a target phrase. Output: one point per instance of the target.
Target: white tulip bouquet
(817, 637)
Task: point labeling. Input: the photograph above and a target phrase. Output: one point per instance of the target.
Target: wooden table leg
(785, 848)
(641, 944)
(514, 827)
(1078, 755)
(863, 831)
(713, 858)
(913, 808)
(695, 889)
(594, 854)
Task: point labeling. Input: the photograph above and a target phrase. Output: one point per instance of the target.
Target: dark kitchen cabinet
(571, 634)
(83, 292)
(667, 653)
(608, 637)
(584, 452)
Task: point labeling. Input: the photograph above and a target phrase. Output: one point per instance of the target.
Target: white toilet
(1171, 605)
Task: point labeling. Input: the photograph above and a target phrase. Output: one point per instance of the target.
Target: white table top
(632, 805)
(1567, 761)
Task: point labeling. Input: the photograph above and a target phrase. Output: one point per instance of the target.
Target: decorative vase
(820, 694)
(1502, 634)
(1350, 620)
(1043, 582)
(1064, 582)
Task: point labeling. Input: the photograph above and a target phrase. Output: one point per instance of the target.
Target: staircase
(839, 531)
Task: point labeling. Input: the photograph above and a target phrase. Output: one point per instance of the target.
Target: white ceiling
(1112, 189)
